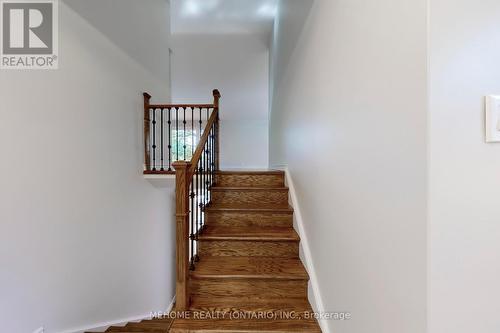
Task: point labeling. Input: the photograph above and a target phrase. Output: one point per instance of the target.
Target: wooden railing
(194, 178)
(172, 132)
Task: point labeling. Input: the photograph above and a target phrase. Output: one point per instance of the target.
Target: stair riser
(249, 219)
(229, 304)
(248, 288)
(235, 180)
(251, 197)
(288, 249)
(228, 311)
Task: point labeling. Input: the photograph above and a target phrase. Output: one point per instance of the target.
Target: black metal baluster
(208, 169)
(206, 172)
(213, 154)
(201, 180)
(154, 140)
(208, 151)
(201, 131)
(184, 123)
(202, 193)
(176, 134)
(162, 168)
(197, 198)
(192, 234)
(204, 180)
(192, 133)
(206, 177)
(169, 141)
(198, 202)
(210, 165)
(212, 171)
(204, 183)
(207, 161)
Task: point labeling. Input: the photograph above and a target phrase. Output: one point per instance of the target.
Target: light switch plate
(493, 118)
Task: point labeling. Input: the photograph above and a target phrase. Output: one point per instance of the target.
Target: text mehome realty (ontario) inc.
(251, 315)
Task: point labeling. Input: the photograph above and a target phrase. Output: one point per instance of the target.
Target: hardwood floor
(249, 277)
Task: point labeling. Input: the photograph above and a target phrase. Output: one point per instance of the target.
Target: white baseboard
(101, 327)
(306, 256)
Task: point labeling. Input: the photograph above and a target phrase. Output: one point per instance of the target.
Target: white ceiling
(222, 16)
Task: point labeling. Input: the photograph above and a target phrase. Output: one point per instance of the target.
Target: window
(181, 139)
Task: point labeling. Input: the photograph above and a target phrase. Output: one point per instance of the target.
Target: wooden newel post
(147, 136)
(217, 97)
(182, 180)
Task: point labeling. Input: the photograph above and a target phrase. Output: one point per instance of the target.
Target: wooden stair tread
(242, 304)
(249, 234)
(250, 172)
(248, 188)
(249, 268)
(249, 208)
(244, 326)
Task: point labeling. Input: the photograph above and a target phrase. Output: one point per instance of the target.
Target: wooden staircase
(237, 254)
(249, 260)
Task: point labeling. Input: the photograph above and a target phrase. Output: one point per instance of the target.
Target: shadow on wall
(295, 14)
(147, 44)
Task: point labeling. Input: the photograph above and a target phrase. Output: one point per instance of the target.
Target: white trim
(166, 177)
(101, 327)
(306, 256)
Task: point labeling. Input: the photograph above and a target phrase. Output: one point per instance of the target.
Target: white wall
(237, 65)
(292, 17)
(83, 238)
(140, 28)
(349, 120)
(464, 170)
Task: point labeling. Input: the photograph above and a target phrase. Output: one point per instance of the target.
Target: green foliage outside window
(179, 139)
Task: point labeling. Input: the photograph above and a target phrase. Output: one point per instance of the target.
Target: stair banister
(194, 179)
(161, 148)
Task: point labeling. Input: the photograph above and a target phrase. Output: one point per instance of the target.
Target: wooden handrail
(203, 140)
(181, 106)
(215, 93)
